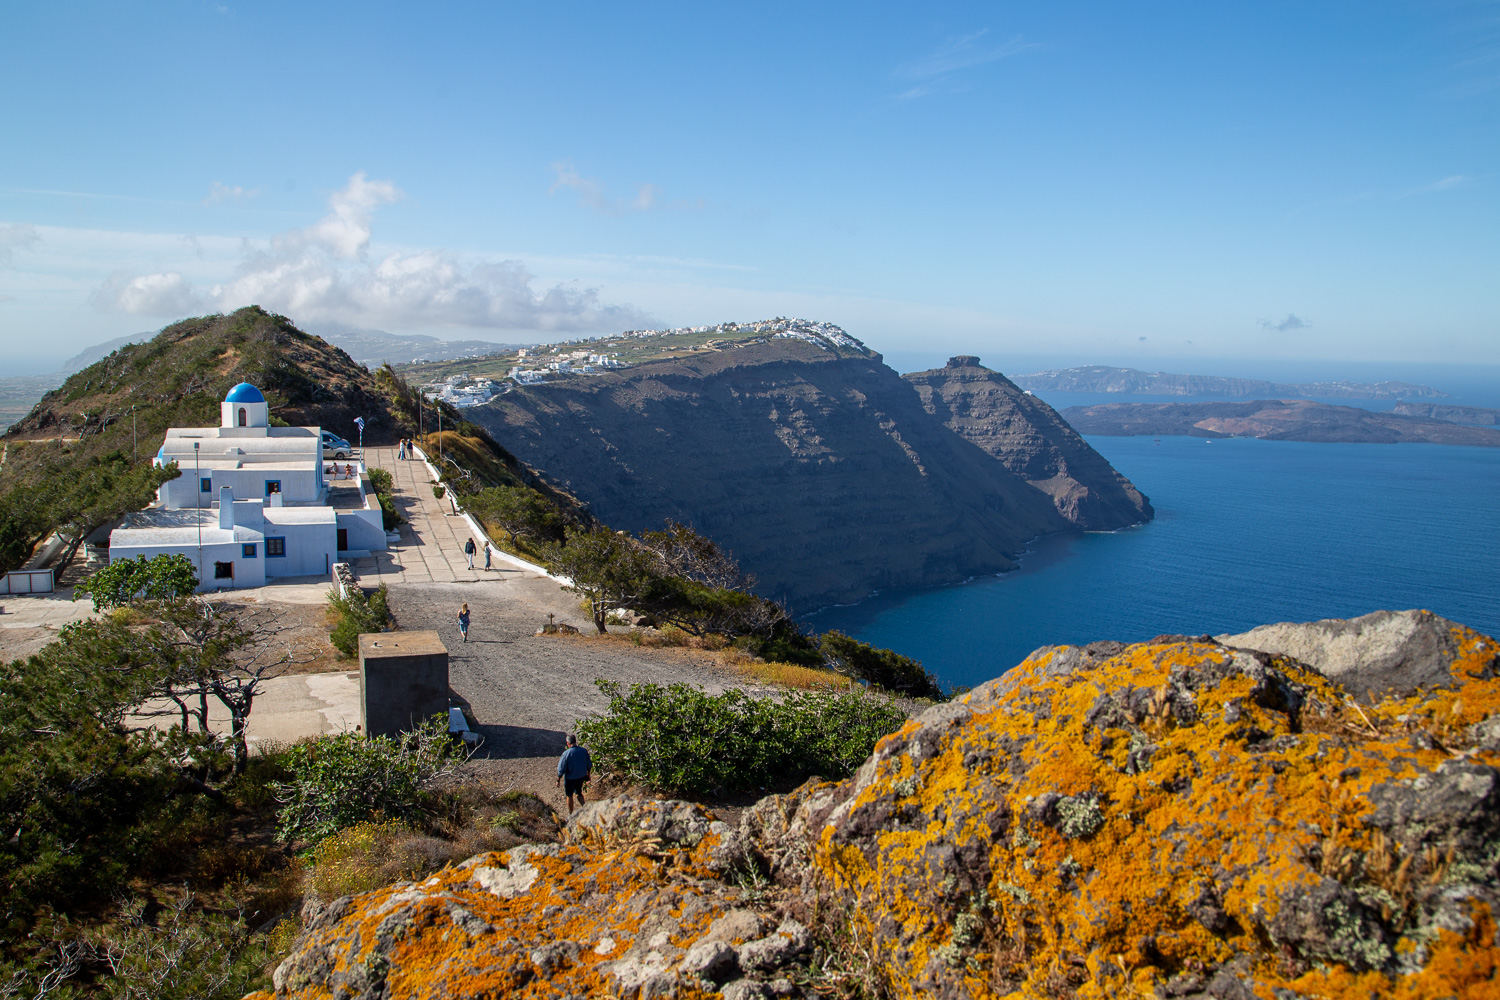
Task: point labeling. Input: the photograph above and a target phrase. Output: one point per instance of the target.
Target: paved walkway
(431, 549)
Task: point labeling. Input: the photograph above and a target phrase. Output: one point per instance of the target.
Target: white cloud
(938, 70)
(323, 273)
(219, 193)
(166, 294)
(591, 194)
(16, 237)
(1290, 323)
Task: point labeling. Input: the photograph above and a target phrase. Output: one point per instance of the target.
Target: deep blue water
(1247, 532)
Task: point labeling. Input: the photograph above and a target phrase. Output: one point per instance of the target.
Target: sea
(1247, 532)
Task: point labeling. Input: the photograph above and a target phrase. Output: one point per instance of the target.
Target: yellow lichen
(1260, 815)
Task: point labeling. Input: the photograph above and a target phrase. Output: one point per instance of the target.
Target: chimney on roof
(226, 508)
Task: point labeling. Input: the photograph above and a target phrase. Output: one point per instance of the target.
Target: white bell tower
(245, 406)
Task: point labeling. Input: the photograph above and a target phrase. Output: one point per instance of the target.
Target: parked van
(335, 446)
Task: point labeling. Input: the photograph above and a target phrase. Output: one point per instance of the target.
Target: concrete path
(287, 709)
(431, 549)
(29, 623)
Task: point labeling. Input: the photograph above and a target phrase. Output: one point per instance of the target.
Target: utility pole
(133, 446)
(440, 430)
(198, 476)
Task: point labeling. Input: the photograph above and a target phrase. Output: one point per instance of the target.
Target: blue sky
(1191, 184)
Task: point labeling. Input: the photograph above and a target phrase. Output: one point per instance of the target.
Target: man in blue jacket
(574, 768)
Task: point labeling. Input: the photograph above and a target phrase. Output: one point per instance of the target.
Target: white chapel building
(254, 502)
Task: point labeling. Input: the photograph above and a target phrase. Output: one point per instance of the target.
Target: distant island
(1452, 414)
(1101, 378)
(1275, 420)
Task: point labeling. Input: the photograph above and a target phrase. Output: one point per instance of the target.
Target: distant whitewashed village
(549, 362)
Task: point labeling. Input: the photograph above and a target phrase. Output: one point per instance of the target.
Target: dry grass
(753, 669)
(466, 819)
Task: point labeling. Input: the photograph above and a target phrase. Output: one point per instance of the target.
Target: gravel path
(526, 691)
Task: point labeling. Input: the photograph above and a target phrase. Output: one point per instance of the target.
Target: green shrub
(380, 481)
(880, 667)
(356, 615)
(160, 578)
(341, 780)
(681, 740)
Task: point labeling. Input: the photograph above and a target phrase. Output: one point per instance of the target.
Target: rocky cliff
(1031, 440)
(1174, 818)
(822, 471)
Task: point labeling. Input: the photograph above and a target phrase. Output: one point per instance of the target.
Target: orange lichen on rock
(1151, 817)
(618, 910)
(1177, 819)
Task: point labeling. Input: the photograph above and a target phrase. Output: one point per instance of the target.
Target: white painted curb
(479, 534)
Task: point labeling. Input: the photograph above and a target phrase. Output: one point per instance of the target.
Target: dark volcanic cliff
(823, 473)
(1032, 441)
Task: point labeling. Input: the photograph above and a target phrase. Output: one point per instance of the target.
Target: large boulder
(1375, 654)
(1176, 817)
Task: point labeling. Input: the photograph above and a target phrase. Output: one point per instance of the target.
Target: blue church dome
(244, 393)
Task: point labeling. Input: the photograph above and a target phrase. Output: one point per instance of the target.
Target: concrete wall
(299, 485)
(310, 549)
(366, 529)
(403, 680)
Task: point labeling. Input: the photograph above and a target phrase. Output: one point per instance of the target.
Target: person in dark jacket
(574, 768)
(469, 551)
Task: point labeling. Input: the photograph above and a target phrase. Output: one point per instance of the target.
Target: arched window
(242, 417)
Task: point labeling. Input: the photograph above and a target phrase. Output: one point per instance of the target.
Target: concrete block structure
(403, 680)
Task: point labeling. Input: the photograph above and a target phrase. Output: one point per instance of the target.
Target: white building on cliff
(254, 502)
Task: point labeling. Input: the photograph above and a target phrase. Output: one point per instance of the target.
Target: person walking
(469, 551)
(574, 768)
(463, 621)
(487, 550)
(401, 449)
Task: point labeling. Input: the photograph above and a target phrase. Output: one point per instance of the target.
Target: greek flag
(359, 422)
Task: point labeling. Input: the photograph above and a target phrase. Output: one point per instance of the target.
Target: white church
(254, 502)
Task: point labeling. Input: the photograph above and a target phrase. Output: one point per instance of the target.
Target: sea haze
(1247, 532)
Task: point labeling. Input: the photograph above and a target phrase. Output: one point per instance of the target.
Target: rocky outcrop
(1371, 656)
(822, 473)
(1175, 818)
(1031, 440)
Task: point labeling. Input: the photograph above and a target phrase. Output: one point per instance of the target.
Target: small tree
(610, 569)
(880, 667)
(161, 578)
(518, 511)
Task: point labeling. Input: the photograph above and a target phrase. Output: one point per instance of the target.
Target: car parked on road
(335, 446)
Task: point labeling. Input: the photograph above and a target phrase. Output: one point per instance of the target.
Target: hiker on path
(463, 621)
(487, 550)
(574, 767)
(469, 551)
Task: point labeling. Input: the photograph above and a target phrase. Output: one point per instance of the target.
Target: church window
(247, 550)
(273, 486)
(242, 417)
(206, 484)
(275, 547)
